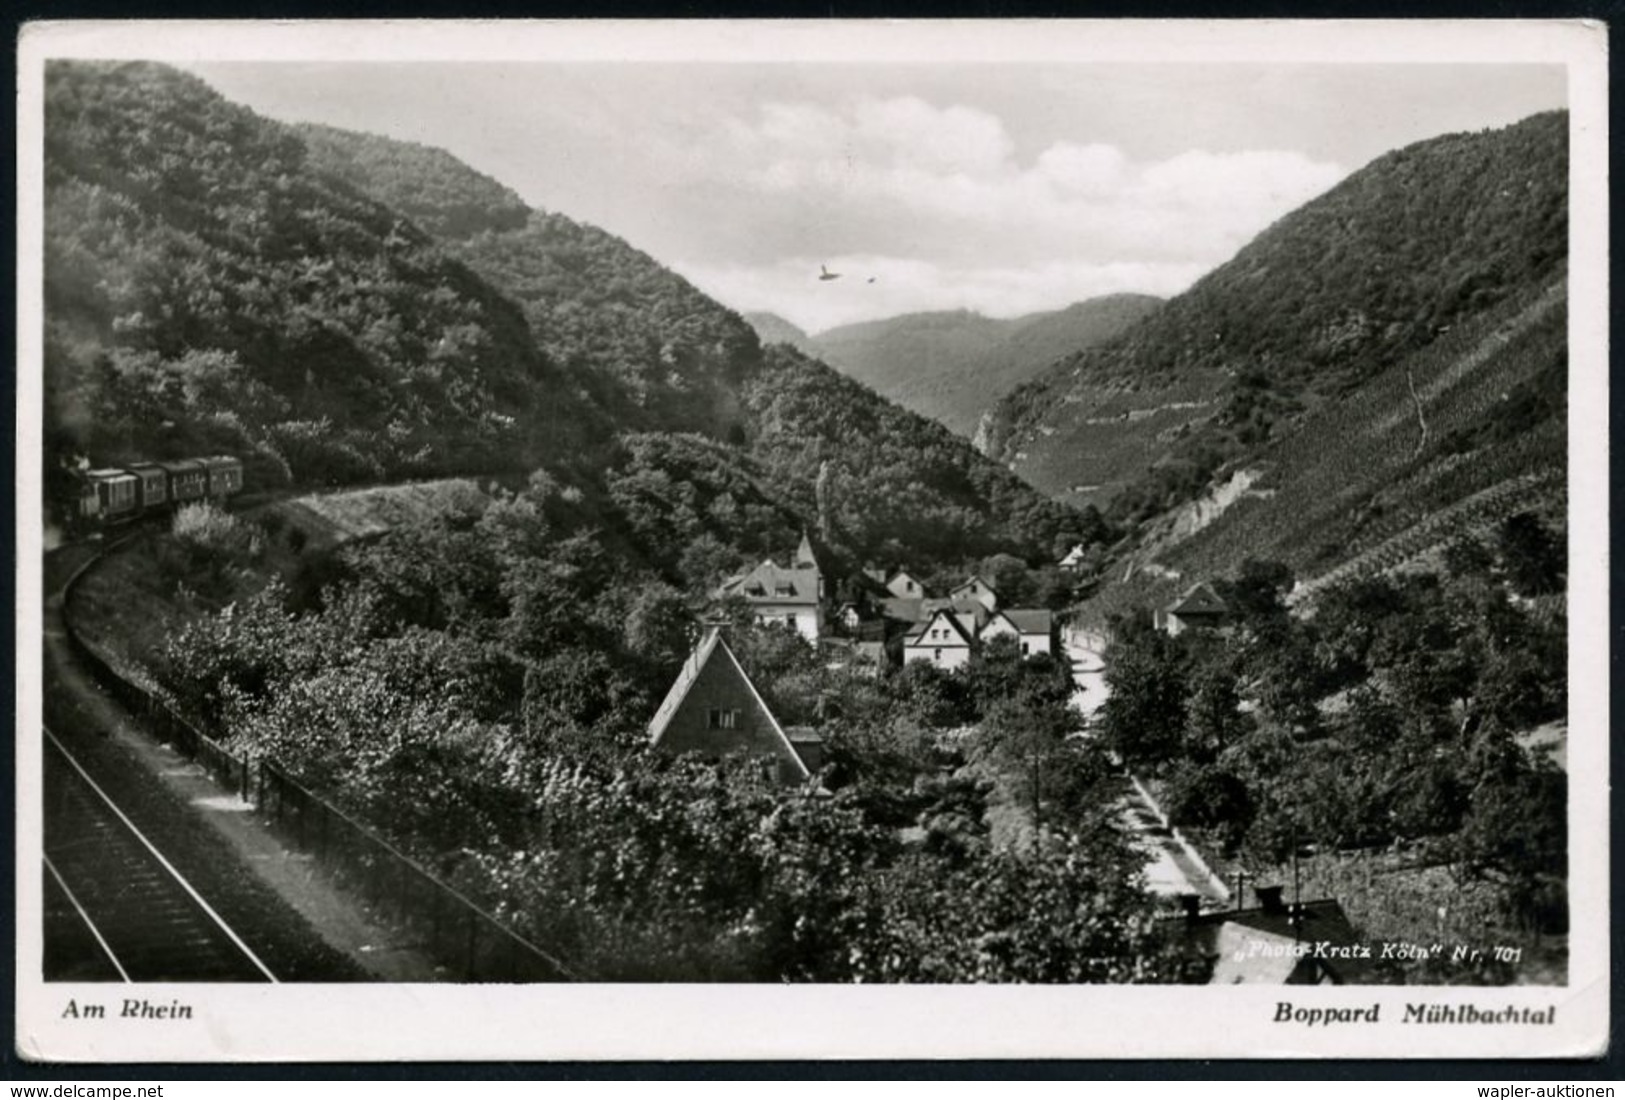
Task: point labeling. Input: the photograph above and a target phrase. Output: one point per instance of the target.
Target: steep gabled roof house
(714, 710)
(1199, 607)
(903, 585)
(976, 588)
(941, 639)
(793, 596)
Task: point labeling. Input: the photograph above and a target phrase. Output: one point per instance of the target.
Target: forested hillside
(341, 308)
(662, 357)
(1387, 263)
(207, 291)
(954, 366)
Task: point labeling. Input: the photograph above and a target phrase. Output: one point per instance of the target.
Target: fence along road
(144, 920)
(471, 944)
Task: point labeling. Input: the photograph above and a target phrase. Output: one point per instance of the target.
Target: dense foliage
(1393, 714)
(479, 688)
(899, 484)
(207, 291)
(338, 307)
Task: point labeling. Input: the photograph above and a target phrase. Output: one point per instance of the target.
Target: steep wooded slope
(660, 355)
(1422, 240)
(206, 290)
(220, 282)
(1445, 445)
(663, 357)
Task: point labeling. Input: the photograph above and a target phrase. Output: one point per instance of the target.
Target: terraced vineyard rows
(1476, 512)
(1350, 480)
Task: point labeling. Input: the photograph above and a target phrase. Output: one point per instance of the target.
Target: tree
(1518, 825)
(1533, 557)
(1257, 595)
(1025, 739)
(1144, 717)
(1208, 796)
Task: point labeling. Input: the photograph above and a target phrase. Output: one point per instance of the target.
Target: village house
(976, 589)
(1200, 608)
(714, 710)
(1033, 629)
(905, 586)
(942, 639)
(793, 597)
(972, 614)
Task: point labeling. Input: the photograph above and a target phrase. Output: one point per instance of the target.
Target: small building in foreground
(714, 710)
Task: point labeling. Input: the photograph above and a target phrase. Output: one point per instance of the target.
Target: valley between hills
(519, 502)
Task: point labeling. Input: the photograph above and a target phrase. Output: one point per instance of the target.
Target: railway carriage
(152, 485)
(188, 480)
(116, 492)
(225, 475)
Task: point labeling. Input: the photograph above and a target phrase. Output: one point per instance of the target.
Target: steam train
(115, 494)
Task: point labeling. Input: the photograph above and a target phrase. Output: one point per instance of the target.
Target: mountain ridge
(1378, 268)
(953, 365)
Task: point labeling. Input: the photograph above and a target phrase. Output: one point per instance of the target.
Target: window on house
(909, 585)
(1026, 648)
(790, 621)
(719, 718)
(937, 656)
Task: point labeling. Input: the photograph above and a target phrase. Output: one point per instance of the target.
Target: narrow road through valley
(1174, 867)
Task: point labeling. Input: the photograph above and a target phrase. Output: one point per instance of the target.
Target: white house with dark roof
(941, 639)
(714, 710)
(792, 597)
(978, 589)
(971, 613)
(1033, 629)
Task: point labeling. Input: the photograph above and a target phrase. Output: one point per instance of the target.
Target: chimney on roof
(1192, 905)
(1270, 898)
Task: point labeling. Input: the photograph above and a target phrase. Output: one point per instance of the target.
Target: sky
(997, 187)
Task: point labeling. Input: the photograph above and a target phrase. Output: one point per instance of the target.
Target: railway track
(115, 907)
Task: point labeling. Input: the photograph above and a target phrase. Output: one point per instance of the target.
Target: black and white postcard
(789, 540)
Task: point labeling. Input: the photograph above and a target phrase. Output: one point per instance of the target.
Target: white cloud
(945, 183)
